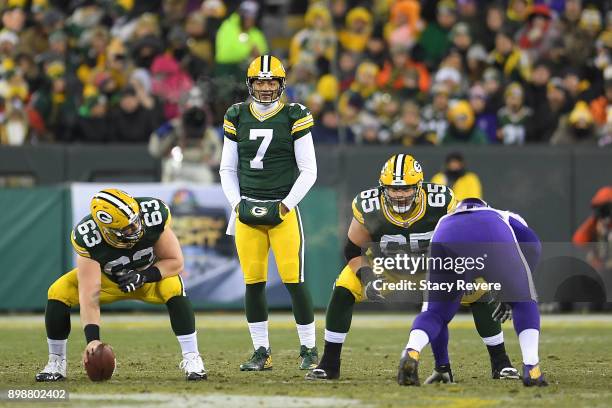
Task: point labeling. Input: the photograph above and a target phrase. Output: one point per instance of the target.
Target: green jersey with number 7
(416, 228)
(88, 241)
(266, 167)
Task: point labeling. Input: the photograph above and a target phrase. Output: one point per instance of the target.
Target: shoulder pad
(366, 202)
(439, 196)
(301, 120)
(230, 121)
(85, 236)
(155, 213)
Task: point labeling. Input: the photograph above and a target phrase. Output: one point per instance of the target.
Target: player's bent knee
(170, 287)
(351, 282)
(64, 291)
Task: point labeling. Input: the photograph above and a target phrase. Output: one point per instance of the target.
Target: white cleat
(55, 370)
(194, 368)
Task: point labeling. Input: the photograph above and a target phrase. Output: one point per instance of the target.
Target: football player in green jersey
(404, 210)
(126, 250)
(267, 167)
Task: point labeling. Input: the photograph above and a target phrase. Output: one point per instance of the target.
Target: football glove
(133, 280)
(502, 312)
(367, 277)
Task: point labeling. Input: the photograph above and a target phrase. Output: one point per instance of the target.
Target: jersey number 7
(266, 134)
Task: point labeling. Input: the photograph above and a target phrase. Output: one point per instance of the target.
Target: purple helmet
(470, 203)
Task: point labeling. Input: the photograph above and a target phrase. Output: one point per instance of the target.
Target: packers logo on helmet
(400, 181)
(117, 215)
(266, 68)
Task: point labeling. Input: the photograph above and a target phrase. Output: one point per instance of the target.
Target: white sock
(494, 340)
(57, 347)
(189, 343)
(334, 337)
(306, 333)
(529, 339)
(418, 340)
(259, 334)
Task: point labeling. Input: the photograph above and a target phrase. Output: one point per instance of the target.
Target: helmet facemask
(126, 237)
(400, 198)
(266, 97)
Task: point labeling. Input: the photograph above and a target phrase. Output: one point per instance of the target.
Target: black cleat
(502, 369)
(324, 373)
(408, 370)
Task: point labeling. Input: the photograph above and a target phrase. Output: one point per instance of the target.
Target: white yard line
(158, 400)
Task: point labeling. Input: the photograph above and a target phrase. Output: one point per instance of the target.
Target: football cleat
(506, 373)
(309, 358)
(533, 376)
(259, 361)
(324, 373)
(194, 368)
(408, 371)
(502, 369)
(441, 374)
(55, 370)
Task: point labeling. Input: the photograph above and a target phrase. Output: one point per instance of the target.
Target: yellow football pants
(349, 280)
(66, 290)
(286, 239)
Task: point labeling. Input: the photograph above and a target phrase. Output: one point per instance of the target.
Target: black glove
(367, 277)
(133, 280)
(502, 312)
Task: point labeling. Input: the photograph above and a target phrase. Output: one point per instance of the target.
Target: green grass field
(575, 354)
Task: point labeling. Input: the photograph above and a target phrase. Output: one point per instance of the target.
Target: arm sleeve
(307, 164)
(229, 172)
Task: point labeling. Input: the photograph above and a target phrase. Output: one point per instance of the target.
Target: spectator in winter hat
(435, 114)
(538, 35)
(358, 28)
(476, 62)
(435, 37)
(485, 120)
(576, 128)
(462, 126)
(514, 120)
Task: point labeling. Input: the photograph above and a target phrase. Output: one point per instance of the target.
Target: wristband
(151, 274)
(92, 332)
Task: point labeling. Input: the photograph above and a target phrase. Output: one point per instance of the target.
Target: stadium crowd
(372, 72)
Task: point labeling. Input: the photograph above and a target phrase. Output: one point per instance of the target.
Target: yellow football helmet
(266, 67)
(401, 172)
(117, 214)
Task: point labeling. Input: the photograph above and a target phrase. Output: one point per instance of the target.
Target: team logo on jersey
(104, 217)
(417, 167)
(259, 211)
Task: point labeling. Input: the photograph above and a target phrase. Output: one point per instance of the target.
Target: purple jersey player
(508, 251)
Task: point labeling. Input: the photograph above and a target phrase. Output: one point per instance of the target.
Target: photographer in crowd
(189, 147)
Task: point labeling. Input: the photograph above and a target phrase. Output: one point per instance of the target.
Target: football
(101, 364)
